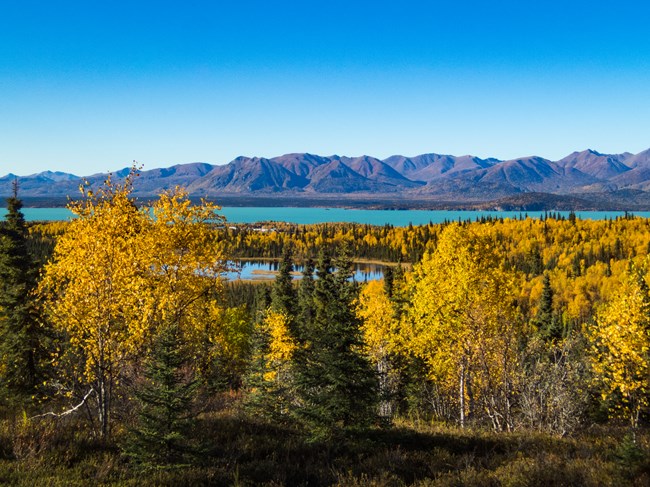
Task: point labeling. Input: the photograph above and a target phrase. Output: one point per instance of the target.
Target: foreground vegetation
(237, 450)
(510, 352)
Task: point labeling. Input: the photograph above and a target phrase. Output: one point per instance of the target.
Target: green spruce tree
(306, 309)
(270, 398)
(548, 324)
(165, 418)
(283, 293)
(20, 331)
(388, 281)
(336, 384)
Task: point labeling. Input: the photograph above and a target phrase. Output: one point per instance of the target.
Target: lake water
(255, 270)
(396, 218)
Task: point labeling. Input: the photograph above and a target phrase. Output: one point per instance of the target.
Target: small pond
(264, 270)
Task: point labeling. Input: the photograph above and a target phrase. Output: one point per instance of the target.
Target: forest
(492, 352)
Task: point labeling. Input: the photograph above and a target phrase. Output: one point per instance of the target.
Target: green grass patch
(237, 450)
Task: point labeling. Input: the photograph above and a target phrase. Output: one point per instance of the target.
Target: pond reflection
(264, 270)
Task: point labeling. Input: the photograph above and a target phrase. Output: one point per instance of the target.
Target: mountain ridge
(431, 176)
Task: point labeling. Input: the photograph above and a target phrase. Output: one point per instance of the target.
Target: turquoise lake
(396, 218)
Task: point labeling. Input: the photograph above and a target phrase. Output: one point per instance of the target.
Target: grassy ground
(232, 450)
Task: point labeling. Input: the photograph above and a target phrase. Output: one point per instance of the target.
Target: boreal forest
(492, 352)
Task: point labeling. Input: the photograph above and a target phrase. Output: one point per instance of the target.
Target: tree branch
(69, 411)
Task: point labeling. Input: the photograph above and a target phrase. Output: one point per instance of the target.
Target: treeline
(117, 330)
(385, 243)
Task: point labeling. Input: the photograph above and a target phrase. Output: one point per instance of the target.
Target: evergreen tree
(19, 318)
(336, 384)
(388, 281)
(165, 416)
(262, 299)
(536, 266)
(398, 294)
(269, 380)
(305, 300)
(283, 294)
(547, 322)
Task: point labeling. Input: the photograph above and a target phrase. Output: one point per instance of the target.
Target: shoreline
(615, 201)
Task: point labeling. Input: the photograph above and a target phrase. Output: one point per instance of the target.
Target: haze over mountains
(585, 176)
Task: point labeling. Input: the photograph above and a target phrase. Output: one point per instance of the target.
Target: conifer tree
(336, 383)
(19, 320)
(259, 400)
(398, 294)
(270, 377)
(305, 299)
(547, 322)
(165, 418)
(283, 294)
(262, 299)
(388, 281)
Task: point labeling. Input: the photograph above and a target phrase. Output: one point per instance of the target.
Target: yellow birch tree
(380, 331)
(462, 323)
(184, 262)
(621, 349)
(119, 272)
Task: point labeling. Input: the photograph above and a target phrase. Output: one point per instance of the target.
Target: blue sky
(90, 86)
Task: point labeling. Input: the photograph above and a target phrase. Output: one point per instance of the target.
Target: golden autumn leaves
(621, 348)
(119, 273)
(462, 318)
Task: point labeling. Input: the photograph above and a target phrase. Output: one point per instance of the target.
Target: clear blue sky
(90, 86)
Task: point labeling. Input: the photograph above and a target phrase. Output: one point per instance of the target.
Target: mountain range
(621, 179)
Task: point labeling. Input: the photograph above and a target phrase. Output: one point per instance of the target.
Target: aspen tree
(380, 331)
(621, 349)
(461, 321)
(119, 272)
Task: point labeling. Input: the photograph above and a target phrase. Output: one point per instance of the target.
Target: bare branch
(69, 411)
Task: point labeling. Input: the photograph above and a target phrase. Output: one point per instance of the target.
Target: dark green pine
(265, 399)
(165, 417)
(547, 322)
(336, 384)
(388, 281)
(283, 294)
(271, 399)
(19, 319)
(306, 311)
(260, 400)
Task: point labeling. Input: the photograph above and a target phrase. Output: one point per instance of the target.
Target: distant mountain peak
(55, 176)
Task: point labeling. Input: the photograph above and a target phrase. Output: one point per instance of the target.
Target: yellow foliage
(461, 320)
(119, 272)
(621, 347)
(281, 346)
(379, 325)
